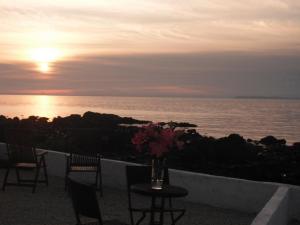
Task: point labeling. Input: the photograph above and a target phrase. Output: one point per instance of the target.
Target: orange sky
(129, 26)
(37, 37)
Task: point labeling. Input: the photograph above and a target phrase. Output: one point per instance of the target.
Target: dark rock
(271, 140)
(296, 146)
(236, 139)
(178, 124)
(109, 119)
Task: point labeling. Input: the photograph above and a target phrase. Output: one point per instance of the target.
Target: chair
(23, 155)
(85, 203)
(142, 174)
(83, 156)
(135, 175)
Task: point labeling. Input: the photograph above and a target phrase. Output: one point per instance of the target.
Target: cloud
(205, 75)
(154, 26)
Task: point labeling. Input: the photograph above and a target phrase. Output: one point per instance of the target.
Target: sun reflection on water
(43, 105)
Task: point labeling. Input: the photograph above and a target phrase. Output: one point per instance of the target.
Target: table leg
(152, 216)
(154, 208)
(162, 208)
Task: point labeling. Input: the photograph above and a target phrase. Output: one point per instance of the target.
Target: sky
(192, 48)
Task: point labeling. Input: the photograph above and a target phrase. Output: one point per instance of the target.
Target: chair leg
(45, 171)
(141, 218)
(131, 217)
(66, 179)
(36, 178)
(18, 176)
(78, 219)
(96, 180)
(99, 181)
(5, 178)
(178, 217)
(101, 186)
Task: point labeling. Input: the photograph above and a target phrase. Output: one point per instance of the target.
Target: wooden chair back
(20, 146)
(84, 200)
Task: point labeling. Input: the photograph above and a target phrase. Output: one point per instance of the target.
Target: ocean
(251, 118)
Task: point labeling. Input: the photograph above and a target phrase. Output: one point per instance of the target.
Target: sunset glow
(198, 48)
(44, 54)
(150, 26)
(44, 67)
(43, 57)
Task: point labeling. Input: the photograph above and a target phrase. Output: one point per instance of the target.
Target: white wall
(294, 202)
(223, 192)
(275, 211)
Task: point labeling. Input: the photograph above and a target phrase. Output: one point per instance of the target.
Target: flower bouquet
(157, 141)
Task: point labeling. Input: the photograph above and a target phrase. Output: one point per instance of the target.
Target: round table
(168, 191)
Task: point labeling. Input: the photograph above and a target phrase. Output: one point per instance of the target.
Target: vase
(157, 174)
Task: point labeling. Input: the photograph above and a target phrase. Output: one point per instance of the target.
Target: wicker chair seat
(84, 168)
(26, 165)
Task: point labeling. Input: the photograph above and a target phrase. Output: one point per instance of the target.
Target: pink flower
(156, 139)
(157, 149)
(139, 138)
(167, 136)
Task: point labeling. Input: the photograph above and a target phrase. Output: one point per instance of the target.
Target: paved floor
(294, 222)
(51, 206)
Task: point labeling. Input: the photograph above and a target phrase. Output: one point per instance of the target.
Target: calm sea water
(252, 118)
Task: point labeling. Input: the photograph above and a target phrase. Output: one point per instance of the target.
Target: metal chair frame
(82, 147)
(23, 156)
(84, 201)
(85, 163)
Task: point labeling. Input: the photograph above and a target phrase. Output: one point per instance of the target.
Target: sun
(45, 54)
(44, 57)
(44, 67)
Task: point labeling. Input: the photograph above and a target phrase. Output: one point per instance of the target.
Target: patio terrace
(52, 206)
(212, 200)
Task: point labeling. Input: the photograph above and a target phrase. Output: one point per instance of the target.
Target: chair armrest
(40, 152)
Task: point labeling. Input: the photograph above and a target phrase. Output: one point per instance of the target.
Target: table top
(166, 191)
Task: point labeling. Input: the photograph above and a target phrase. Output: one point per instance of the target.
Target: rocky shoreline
(267, 159)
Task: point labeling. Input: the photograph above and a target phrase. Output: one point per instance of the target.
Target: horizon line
(161, 96)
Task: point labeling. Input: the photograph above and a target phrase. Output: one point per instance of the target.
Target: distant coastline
(267, 97)
(157, 96)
